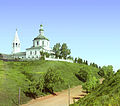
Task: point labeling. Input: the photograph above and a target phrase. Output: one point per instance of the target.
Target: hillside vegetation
(106, 94)
(30, 78)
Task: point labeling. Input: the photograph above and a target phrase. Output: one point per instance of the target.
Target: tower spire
(16, 43)
(41, 31)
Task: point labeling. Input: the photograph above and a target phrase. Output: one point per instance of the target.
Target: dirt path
(60, 100)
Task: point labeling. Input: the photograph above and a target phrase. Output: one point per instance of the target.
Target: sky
(91, 28)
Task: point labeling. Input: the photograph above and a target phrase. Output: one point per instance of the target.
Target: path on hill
(60, 100)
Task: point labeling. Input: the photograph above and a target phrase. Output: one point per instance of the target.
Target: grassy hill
(106, 94)
(17, 74)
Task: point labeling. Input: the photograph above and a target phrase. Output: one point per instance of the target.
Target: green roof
(41, 37)
(39, 47)
(20, 54)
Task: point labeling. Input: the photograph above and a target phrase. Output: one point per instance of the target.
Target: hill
(25, 75)
(106, 94)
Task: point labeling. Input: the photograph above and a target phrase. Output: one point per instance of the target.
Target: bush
(106, 71)
(51, 78)
(82, 75)
(34, 87)
(91, 84)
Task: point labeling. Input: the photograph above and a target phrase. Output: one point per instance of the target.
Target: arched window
(30, 52)
(35, 52)
(37, 42)
(13, 45)
(47, 43)
(42, 43)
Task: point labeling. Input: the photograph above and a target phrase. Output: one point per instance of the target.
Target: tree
(90, 84)
(1, 56)
(94, 65)
(47, 54)
(65, 51)
(51, 78)
(86, 62)
(56, 49)
(42, 55)
(82, 75)
(70, 57)
(34, 87)
(79, 61)
(106, 71)
(75, 61)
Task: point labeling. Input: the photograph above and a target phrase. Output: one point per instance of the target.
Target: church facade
(40, 44)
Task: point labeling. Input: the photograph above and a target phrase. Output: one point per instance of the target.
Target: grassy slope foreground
(106, 94)
(17, 74)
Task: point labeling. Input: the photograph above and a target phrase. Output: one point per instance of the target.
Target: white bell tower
(16, 44)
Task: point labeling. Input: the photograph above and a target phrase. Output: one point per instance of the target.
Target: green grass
(11, 77)
(106, 94)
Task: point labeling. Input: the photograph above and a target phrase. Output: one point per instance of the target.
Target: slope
(15, 75)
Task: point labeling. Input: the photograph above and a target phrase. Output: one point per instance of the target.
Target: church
(40, 43)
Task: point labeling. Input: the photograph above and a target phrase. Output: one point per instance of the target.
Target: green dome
(41, 37)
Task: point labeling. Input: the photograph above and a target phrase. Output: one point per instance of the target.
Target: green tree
(56, 49)
(51, 78)
(94, 65)
(90, 84)
(70, 57)
(1, 56)
(75, 61)
(34, 87)
(82, 75)
(47, 54)
(42, 55)
(65, 51)
(79, 61)
(106, 71)
(86, 62)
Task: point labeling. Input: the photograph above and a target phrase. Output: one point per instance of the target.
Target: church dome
(41, 35)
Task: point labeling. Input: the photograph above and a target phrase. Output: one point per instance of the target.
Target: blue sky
(91, 28)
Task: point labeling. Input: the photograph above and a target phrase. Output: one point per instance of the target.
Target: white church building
(40, 43)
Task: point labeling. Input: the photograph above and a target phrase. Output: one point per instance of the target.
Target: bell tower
(16, 44)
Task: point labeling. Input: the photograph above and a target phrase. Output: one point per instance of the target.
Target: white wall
(46, 43)
(37, 55)
(16, 48)
(53, 59)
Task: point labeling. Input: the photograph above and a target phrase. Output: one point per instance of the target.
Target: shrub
(90, 84)
(51, 78)
(82, 75)
(106, 71)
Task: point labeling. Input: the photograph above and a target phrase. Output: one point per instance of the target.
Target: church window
(13, 44)
(30, 52)
(35, 52)
(16, 44)
(47, 43)
(37, 42)
(42, 43)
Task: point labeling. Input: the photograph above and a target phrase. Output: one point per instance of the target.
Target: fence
(53, 59)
